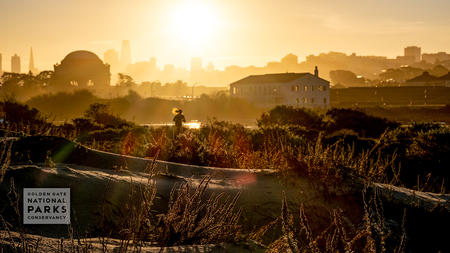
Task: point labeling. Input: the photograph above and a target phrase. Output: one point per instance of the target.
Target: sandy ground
(11, 241)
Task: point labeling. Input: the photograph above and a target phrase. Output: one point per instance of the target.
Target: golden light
(194, 22)
(194, 124)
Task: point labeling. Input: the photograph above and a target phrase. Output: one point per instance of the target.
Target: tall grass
(193, 218)
(339, 236)
(5, 156)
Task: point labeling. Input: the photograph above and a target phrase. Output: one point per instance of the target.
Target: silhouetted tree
(346, 78)
(125, 81)
(45, 77)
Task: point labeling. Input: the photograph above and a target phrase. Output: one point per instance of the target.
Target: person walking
(179, 119)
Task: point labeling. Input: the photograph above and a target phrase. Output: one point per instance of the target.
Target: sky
(224, 32)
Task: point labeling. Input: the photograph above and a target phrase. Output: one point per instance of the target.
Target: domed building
(82, 68)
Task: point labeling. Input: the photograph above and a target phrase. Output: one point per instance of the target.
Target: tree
(346, 78)
(45, 77)
(95, 110)
(125, 81)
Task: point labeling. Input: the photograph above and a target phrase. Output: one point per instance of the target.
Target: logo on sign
(46, 205)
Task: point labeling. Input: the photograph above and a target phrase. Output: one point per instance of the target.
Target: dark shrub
(424, 126)
(288, 115)
(15, 112)
(83, 125)
(365, 125)
(100, 114)
(349, 138)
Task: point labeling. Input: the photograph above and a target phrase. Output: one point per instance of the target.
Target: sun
(194, 22)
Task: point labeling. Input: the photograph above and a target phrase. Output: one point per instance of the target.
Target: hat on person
(176, 110)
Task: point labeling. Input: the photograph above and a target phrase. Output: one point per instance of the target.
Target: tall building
(125, 56)
(111, 57)
(15, 63)
(210, 67)
(413, 52)
(153, 63)
(31, 67)
(196, 69)
(196, 64)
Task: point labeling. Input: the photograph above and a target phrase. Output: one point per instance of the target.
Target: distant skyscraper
(15, 63)
(196, 69)
(413, 52)
(111, 57)
(125, 56)
(210, 67)
(31, 67)
(153, 63)
(196, 64)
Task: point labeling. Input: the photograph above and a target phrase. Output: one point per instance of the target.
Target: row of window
(266, 90)
(296, 88)
(306, 100)
(256, 90)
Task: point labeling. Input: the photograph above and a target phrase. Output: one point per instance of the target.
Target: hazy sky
(241, 32)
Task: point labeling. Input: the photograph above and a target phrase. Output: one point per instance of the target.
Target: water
(193, 124)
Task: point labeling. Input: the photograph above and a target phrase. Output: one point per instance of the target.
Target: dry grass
(5, 156)
(332, 163)
(340, 236)
(192, 218)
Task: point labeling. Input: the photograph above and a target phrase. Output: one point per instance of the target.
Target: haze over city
(221, 32)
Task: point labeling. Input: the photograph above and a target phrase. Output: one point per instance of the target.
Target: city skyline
(234, 33)
(112, 53)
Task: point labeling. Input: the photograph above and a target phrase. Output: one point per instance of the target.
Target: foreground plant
(194, 219)
(340, 236)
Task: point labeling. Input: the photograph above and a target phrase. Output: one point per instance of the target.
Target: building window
(322, 88)
(324, 100)
(312, 100)
(297, 100)
(305, 88)
(305, 100)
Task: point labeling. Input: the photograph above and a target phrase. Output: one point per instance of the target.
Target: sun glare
(194, 22)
